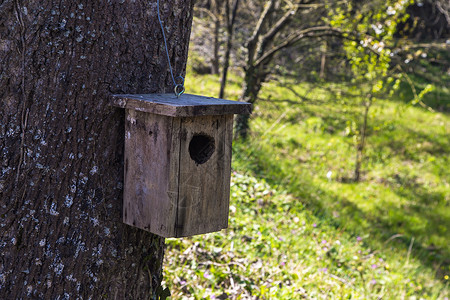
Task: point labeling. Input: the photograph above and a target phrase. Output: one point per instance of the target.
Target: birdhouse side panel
(151, 172)
(205, 169)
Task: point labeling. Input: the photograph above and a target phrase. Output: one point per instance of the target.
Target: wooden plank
(174, 171)
(151, 172)
(227, 168)
(186, 106)
(204, 187)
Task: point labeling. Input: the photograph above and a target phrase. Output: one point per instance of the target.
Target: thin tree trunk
(61, 144)
(362, 140)
(216, 60)
(323, 60)
(231, 19)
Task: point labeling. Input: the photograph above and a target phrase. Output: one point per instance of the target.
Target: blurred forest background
(341, 176)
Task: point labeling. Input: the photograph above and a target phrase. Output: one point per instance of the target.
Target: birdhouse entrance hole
(201, 148)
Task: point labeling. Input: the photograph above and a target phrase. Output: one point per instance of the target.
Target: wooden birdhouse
(177, 162)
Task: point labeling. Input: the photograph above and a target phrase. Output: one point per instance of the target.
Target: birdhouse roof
(187, 105)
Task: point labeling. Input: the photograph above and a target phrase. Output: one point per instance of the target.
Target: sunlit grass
(299, 226)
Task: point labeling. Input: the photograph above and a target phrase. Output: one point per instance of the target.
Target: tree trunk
(253, 80)
(61, 144)
(323, 60)
(231, 19)
(215, 61)
(362, 140)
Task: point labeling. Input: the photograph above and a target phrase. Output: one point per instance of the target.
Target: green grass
(300, 228)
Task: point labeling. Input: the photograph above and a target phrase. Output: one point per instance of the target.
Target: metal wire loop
(179, 90)
(178, 87)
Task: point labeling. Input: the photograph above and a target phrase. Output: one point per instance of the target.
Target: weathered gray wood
(151, 172)
(177, 162)
(168, 191)
(204, 188)
(186, 106)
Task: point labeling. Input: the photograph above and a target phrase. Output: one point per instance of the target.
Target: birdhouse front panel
(204, 179)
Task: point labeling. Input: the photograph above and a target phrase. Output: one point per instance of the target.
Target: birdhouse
(177, 162)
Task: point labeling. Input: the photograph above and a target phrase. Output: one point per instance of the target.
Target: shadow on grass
(383, 223)
(436, 144)
(438, 99)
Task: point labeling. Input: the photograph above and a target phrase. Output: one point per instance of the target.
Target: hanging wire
(178, 87)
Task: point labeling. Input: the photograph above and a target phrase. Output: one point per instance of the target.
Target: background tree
(281, 37)
(61, 234)
(214, 11)
(372, 52)
(231, 13)
(281, 25)
(429, 20)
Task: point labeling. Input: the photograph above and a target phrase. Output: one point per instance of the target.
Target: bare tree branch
(207, 11)
(251, 44)
(282, 22)
(444, 7)
(427, 46)
(296, 37)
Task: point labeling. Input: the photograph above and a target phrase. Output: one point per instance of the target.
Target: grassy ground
(300, 228)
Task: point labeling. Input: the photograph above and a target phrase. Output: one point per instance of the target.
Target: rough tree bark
(61, 144)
